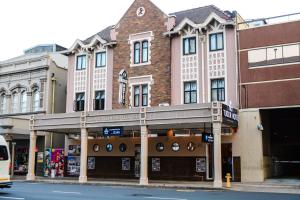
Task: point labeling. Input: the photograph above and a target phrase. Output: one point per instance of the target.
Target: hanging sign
(230, 116)
(208, 138)
(122, 87)
(113, 131)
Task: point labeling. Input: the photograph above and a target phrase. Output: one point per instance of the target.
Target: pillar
(83, 156)
(12, 158)
(31, 161)
(217, 155)
(144, 156)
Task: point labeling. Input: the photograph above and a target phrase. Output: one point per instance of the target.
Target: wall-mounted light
(260, 127)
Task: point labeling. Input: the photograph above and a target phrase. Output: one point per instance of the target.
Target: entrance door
(137, 162)
(226, 159)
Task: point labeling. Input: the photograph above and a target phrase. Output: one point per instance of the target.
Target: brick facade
(154, 20)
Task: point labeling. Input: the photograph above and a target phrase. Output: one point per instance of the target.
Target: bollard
(228, 183)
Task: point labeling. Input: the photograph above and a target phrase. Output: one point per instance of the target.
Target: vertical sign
(122, 87)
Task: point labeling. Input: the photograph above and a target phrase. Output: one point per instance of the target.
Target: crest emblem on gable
(140, 11)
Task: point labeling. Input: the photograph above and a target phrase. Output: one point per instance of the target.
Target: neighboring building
(31, 84)
(269, 58)
(148, 83)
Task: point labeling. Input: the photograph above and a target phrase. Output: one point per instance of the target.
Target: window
(79, 102)
(160, 147)
(175, 147)
(101, 59)
(99, 102)
(81, 62)
(2, 104)
(218, 90)
(216, 42)
(14, 103)
(123, 147)
(23, 102)
(109, 147)
(190, 92)
(140, 95)
(141, 52)
(189, 46)
(36, 101)
(3, 153)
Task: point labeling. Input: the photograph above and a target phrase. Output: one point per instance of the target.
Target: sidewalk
(269, 186)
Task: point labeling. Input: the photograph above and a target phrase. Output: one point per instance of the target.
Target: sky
(26, 23)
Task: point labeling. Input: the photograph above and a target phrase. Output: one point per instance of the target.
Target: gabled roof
(104, 34)
(199, 15)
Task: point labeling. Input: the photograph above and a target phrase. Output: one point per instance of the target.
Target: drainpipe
(53, 81)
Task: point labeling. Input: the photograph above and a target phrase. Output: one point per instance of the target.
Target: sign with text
(114, 131)
(208, 138)
(230, 116)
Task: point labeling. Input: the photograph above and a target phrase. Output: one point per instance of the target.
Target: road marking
(63, 192)
(12, 198)
(185, 190)
(163, 198)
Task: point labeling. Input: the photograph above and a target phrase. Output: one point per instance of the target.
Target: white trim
(271, 81)
(277, 65)
(131, 43)
(141, 33)
(271, 46)
(149, 83)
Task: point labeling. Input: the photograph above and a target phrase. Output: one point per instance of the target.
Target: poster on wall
(73, 167)
(200, 165)
(47, 165)
(57, 162)
(91, 163)
(155, 164)
(40, 157)
(125, 164)
(74, 150)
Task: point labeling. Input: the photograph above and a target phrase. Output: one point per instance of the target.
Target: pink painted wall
(231, 67)
(70, 84)
(176, 71)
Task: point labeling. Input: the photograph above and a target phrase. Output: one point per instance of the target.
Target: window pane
(3, 153)
(214, 84)
(214, 95)
(194, 97)
(187, 87)
(97, 95)
(212, 42)
(221, 95)
(145, 89)
(137, 52)
(194, 86)
(220, 41)
(186, 46)
(103, 60)
(83, 64)
(145, 51)
(192, 45)
(221, 83)
(187, 97)
(136, 100)
(36, 101)
(23, 102)
(102, 95)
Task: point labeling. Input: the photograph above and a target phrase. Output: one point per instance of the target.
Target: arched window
(14, 103)
(137, 48)
(2, 104)
(36, 101)
(23, 102)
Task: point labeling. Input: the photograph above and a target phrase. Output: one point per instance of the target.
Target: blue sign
(114, 131)
(208, 138)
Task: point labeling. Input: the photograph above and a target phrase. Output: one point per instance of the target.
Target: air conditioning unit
(163, 104)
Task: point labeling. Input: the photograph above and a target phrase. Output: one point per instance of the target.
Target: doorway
(226, 159)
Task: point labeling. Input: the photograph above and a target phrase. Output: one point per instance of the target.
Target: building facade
(31, 84)
(143, 96)
(269, 62)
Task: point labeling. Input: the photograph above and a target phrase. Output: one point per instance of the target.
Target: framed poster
(200, 165)
(73, 167)
(156, 164)
(91, 163)
(40, 157)
(125, 164)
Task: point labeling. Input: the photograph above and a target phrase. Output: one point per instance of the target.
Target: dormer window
(189, 46)
(81, 62)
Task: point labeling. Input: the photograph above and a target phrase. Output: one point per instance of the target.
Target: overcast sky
(26, 23)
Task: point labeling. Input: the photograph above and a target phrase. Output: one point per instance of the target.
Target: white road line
(163, 198)
(12, 198)
(63, 192)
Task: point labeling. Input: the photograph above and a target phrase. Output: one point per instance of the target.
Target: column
(31, 161)
(83, 156)
(144, 156)
(217, 155)
(12, 158)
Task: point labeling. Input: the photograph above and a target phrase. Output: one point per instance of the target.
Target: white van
(4, 164)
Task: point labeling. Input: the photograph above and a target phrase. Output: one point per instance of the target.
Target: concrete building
(144, 99)
(269, 85)
(31, 84)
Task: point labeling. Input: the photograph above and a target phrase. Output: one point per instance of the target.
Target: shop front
(166, 143)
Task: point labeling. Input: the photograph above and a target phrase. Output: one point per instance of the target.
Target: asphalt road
(40, 191)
